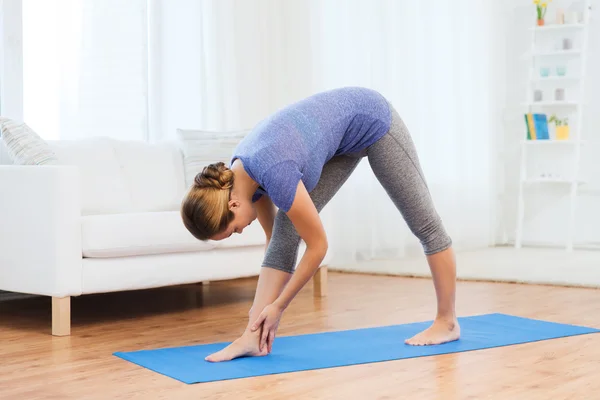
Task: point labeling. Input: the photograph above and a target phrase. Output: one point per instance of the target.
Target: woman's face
(244, 213)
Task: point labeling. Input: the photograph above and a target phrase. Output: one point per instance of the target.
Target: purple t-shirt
(295, 142)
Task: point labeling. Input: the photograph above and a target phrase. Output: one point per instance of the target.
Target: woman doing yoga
(285, 171)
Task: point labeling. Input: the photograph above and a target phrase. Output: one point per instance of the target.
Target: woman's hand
(269, 319)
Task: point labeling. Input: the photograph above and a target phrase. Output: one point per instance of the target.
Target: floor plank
(36, 365)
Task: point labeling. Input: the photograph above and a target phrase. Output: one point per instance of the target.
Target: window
(85, 68)
(11, 60)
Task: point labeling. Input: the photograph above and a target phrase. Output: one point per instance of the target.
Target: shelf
(554, 53)
(550, 142)
(535, 181)
(557, 27)
(558, 53)
(556, 79)
(532, 181)
(551, 103)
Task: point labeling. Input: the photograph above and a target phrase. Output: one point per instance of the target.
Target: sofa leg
(61, 316)
(320, 282)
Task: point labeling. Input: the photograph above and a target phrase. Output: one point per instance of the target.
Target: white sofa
(107, 219)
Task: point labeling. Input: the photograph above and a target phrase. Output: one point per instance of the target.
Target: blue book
(541, 126)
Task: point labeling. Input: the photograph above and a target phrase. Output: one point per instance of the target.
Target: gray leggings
(394, 161)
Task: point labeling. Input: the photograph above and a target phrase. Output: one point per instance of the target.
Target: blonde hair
(205, 208)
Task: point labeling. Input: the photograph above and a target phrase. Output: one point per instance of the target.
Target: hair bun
(216, 176)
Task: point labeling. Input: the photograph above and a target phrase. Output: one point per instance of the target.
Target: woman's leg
(281, 257)
(396, 165)
(282, 252)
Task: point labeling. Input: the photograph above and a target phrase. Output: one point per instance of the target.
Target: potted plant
(540, 7)
(562, 127)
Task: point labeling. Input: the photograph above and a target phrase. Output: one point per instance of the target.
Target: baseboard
(553, 245)
(541, 266)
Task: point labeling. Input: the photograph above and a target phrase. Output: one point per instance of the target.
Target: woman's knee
(282, 252)
(433, 236)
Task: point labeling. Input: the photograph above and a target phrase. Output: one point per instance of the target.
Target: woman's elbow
(321, 246)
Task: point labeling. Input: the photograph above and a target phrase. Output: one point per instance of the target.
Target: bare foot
(441, 331)
(246, 345)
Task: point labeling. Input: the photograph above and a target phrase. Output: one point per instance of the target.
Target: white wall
(547, 207)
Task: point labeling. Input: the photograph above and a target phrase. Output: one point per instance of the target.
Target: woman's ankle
(447, 317)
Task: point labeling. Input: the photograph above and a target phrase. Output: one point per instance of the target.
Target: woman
(295, 161)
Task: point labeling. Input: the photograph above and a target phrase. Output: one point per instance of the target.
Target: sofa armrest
(40, 234)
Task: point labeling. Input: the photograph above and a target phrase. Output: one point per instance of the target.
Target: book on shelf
(537, 126)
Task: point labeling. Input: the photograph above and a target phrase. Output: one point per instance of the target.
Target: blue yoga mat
(349, 347)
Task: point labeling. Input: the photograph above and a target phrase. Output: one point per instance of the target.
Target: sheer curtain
(434, 61)
(85, 68)
(226, 64)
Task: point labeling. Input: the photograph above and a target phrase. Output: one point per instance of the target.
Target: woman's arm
(271, 282)
(307, 222)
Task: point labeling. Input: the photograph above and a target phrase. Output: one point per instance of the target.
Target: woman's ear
(233, 204)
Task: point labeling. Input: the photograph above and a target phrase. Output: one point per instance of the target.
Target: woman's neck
(243, 185)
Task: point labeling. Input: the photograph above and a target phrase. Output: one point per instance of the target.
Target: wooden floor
(34, 365)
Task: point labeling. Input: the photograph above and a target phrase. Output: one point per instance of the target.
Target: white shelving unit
(575, 142)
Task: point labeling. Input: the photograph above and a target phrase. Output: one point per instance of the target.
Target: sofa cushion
(153, 174)
(201, 148)
(134, 234)
(23, 145)
(119, 176)
(102, 185)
